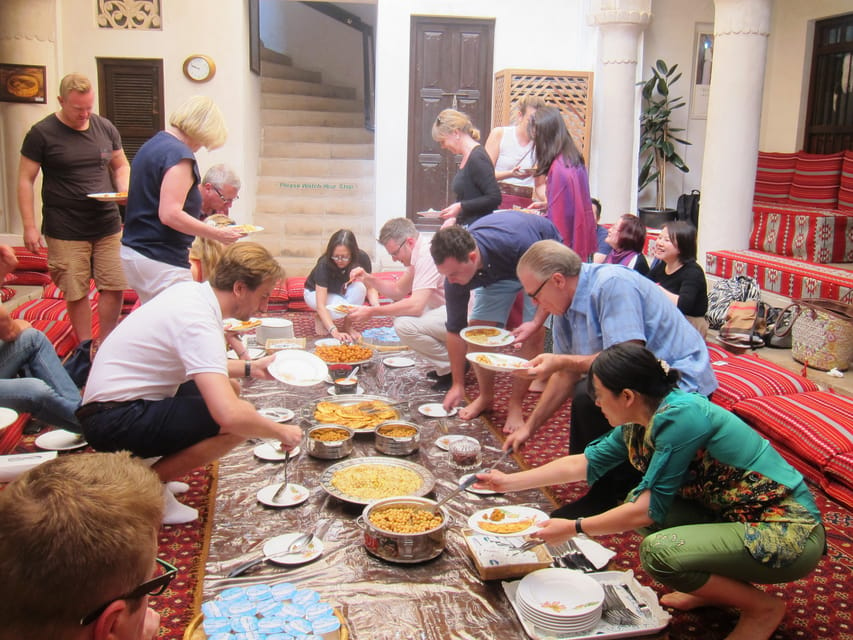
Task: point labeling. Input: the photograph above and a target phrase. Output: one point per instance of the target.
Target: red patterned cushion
(11, 435)
(41, 309)
(841, 467)
(845, 191)
(716, 352)
(28, 278)
(29, 261)
(295, 289)
(839, 492)
(60, 334)
(816, 179)
(773, 176)
(743, 377)
(815, 425)
(297, 305)
(129, 297)
(279, 292)
(53, 291)
(6, 293)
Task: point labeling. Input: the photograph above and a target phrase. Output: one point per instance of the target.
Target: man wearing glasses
(421, 316)
(484, 257)
(219, 189)
(78, 542)
(595, 306)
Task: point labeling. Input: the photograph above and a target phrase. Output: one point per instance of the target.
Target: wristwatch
(247, 372)
(578, 527)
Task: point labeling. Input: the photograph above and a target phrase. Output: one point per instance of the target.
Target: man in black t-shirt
(79, 153)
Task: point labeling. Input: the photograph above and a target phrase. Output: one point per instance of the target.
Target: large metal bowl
(328, 450)
(403, 547)
(346, 400)
(397, 446)
(427, 479)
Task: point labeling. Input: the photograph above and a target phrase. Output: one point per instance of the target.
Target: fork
(615, 609)
(281, 489)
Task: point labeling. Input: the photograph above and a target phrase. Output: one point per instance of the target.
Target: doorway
(450, 66)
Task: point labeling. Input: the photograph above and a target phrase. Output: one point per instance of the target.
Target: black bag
(687, 208)
(79, 362)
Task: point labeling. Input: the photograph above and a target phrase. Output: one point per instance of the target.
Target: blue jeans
(44, 389)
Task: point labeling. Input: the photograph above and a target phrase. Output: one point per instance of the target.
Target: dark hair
(551, 139)
(683, 236)
(596, 207)
(452, 242)
(629, 365)
(632, 233)
(346, 238)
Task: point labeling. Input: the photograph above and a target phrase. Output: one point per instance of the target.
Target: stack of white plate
(560, 601)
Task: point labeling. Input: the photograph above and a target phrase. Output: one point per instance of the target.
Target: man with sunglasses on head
(78, 547)
(219, 188)
(595, 306)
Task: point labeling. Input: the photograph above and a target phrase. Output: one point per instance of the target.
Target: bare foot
(474, 409)
(683, 601)
(319, 329)
(759, 622)
(514, 419)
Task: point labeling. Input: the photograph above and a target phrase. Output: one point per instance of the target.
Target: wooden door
(450, 66)
(130, 95)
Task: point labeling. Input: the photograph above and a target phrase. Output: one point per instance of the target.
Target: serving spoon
(470, 480)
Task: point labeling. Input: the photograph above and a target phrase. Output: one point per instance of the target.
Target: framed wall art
(703, 62)
(20, 83)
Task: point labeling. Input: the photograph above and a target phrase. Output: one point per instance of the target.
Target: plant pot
(656, 218)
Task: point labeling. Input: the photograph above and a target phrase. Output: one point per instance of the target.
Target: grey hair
(397, 229)
(547, 257)
(220, 175)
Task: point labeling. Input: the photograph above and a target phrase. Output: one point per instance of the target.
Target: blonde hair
(547, 257)
(451, 120)
(246, 262)
(74, 82)
(75, 531)
(206, 250)
(201, 120)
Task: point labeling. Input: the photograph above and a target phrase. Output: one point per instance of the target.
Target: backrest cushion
(773, 176)
(817, 178)
(845, 192)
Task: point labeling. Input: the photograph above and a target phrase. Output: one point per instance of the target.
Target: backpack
(739, 288)
(687, 208)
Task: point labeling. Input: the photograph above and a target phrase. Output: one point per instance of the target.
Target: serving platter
(347, 400)
(427, 479)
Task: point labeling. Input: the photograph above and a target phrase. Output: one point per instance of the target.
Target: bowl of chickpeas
(397, 437)
(329, 441)
(404, 529)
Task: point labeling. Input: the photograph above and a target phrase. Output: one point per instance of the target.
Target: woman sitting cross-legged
(720, 508)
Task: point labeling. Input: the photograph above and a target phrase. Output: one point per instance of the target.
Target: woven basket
(823, 334)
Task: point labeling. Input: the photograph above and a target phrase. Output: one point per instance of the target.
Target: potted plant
(657, 139)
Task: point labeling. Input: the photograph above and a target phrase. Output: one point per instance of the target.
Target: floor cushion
(60, 334)
(840, 467)
(6, 293)
(53, 291)
(716, 352)
(26, 278)
(11, 435)
(773, 176)
(50, 309)
(816, 425)
(749, 376)
(29, 261)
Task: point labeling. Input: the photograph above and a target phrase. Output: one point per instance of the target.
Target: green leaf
(660, 65)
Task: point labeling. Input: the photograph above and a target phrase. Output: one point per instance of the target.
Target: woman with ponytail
(720, 508)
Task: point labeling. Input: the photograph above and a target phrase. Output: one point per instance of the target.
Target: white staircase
(316, 172)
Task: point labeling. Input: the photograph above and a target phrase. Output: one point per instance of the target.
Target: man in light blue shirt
(594, 307)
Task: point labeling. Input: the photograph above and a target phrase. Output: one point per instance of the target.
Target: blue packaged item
(324, 625)
(269, 607)
(305, 597)
(272, 625)
(250, 635)
(216, 625)
(300, 625)
(232, 594)
(221, 636)
(244, 624)
(283, 590)
(214, 609)
(318, 610)
(258, 592)
(279, 636)
(242, 608)
(292, 610)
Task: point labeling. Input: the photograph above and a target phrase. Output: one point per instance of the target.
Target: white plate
(436, 410)
(482, 492)
(444, 441)
(293, 495)
(560, 593)
(279, 414)
(429, 213)
(280, 544)
(239, 326)
(512, 514)
(253, 352)
(327, 342)
(298, 368)
(359, 390)
(7, 417)
(246, 228)
(60, 440)
(342, 307)
(271, 453)
(500, 339)
(497, 361)
(111, 196)
(395, 361)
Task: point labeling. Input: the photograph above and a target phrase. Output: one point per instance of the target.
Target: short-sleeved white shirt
(425, 275)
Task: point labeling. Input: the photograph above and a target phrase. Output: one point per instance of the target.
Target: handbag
(727, 291)
(822, 334)
(745, 325)
(687, 208)
(780, 336)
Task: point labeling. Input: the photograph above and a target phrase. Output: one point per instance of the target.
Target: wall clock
(199, 68)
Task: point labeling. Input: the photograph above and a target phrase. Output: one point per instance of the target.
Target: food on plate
(505, 527)
(496, 361)
(246, 228)
(329, 434)
(344, 353)
(397, 431)
(343, 308)
(478, 333)
(374, 481)
(361, 415)
(405, 519)
(242, 325)
(496, 515)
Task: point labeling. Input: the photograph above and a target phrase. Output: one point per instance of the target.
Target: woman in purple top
(627, 237)
(567, 184)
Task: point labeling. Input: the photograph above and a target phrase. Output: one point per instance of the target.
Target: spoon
(283, 486)
(470, 480)
(298, 545)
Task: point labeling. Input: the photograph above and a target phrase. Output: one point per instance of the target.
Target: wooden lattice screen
(569, 91)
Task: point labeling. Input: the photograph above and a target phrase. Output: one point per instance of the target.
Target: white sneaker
(175, 512)
(177, 487)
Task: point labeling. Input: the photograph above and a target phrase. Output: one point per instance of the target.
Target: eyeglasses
(538, 289)
(394, 254)
(223, 198)
(341, 258)
(152, 587)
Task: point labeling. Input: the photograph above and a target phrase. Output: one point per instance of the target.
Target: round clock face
(199, 68)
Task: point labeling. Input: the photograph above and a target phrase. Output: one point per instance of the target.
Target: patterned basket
(823, 334)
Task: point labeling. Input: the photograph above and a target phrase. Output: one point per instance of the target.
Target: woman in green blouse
(720, 507)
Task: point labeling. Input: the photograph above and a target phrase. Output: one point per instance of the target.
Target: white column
(620, 24)
(741, 30)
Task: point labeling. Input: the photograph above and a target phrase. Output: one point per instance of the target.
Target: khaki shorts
(72, 263)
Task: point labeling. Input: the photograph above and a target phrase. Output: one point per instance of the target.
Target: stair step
(315, 167)
(312, 117)
(313, 187)
(316, 150)
(278, 101)
(269, 55)
(299, 87)
(346, 135)
(297, 205)
(289, 72)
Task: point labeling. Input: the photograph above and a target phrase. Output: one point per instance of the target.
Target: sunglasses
(152, 587)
